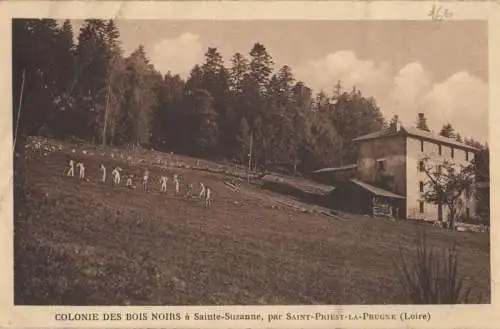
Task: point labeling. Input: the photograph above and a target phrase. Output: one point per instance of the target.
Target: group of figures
(205, 191)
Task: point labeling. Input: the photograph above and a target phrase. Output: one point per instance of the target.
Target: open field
(85, 243)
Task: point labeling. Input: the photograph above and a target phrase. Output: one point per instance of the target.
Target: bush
(432, 278)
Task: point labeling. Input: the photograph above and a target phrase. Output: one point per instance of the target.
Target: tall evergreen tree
(216, 82)
(42, 83)
(114, 89)
(64, 94)
(170, 122)
(238, 72)
(92, 61)
(203, 123)
(354, 115)
(260, 66)
(140, 99)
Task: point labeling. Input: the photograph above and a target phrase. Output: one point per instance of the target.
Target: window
(438, 169)
(466, 156)
(421, 186)
(452, 152)
(467, 210)
(421, 206)
(421, 146)
(421, 166)
(439, 150)
(381, 165)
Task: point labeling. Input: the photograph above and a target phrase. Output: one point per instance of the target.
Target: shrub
(432, 278)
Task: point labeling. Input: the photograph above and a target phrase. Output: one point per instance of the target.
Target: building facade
(393, 159)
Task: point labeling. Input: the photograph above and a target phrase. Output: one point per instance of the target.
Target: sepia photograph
(250, 162)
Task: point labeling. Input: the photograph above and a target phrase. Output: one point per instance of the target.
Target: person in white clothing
(102, 170)
(145, 178)
(163, 182)
(71, 171)
(116, 176)
(177, 183)
(203, 191)
(208, 198)
(128, 182)
(81, 170)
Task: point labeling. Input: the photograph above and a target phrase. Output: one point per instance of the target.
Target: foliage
(448, 131)
(431, 278)
(88, 89)
(448, 184)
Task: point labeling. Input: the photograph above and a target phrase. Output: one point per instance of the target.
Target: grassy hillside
(82, 243)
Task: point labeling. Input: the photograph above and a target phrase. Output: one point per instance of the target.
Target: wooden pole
(106, 114)
(19, 109)
(250, 155)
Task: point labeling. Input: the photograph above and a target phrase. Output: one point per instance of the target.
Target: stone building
(390, 167)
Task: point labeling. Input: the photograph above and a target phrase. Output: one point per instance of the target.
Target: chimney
(397, 123)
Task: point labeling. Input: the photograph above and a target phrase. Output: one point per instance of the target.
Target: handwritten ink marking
(438, 13)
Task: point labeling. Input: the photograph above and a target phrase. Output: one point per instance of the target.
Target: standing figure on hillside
(203, 191)
(145, 178)
(128, 182)
(81, 170)
(71, 171)
(208, 197)
(163, 182)
(116, 176)
(102, 170)
(176, 182)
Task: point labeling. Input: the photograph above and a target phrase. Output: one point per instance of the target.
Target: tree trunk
(452, 217)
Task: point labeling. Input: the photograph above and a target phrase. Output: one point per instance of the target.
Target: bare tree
(448, 184)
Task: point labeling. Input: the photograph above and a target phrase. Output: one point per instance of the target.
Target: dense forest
(91, 91)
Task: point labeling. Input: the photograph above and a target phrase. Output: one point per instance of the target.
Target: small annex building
(355, 196)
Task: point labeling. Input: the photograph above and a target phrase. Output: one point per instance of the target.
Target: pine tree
(195, 80)
(92, 61)
(140, 99)
(260, 66)
(41, 92)
(354, 115)
(243, 141)
(64, 97)
(203, 122)
(238, 71)
(216, 81)
(448, 131)
(170, 124)
(114, 88)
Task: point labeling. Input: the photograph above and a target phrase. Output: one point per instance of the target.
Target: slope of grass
(85, 243)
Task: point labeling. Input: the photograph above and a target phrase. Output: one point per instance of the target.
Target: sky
(435, 67)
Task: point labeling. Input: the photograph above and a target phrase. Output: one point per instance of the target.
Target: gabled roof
(376, 190)
(415, 132)
(335, 169)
